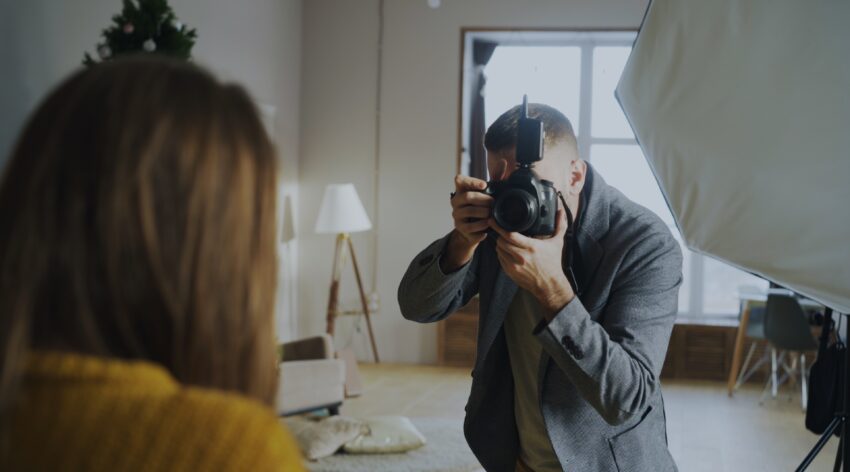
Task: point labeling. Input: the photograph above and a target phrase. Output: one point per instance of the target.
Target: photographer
(573, 327)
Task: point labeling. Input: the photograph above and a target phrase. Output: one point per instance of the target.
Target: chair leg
(755, 368)
(765, 391)
(770, 384)
(744, 366)
(791, 373)
(773, 378)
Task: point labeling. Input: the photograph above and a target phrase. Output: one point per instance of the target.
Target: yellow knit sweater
(87, 413)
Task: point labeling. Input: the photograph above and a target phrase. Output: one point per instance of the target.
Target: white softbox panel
(742, 108)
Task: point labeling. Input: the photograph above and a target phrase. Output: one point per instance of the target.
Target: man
(564, 378)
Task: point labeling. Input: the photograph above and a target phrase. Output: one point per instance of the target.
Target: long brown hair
(137, 221)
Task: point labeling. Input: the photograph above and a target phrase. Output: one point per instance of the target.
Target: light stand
(841, 419)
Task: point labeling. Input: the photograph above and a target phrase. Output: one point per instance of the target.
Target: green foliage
(142, 21)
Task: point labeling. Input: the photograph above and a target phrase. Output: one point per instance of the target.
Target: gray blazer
(602, 354)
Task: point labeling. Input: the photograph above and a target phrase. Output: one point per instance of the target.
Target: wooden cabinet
(457, 335)
(699, 352)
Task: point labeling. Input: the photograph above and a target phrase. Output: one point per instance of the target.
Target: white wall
(256, 43)
(321, 59)
(418, 143)
(337, 145)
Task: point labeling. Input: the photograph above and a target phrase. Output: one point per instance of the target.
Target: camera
(525, 203)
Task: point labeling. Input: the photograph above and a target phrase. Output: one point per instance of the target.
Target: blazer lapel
(504, 290)
(591, 253)
(594, 225)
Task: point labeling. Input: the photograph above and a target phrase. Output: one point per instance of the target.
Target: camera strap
(567, 253)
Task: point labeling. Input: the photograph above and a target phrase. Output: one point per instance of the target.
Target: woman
(137, 278)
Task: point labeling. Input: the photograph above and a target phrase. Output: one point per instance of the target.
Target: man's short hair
(501, 135)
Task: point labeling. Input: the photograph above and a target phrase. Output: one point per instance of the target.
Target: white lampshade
(342, 211)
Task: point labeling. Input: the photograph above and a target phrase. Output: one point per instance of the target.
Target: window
(577, 73)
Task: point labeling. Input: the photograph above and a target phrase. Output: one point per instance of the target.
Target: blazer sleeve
(615, 365)
(426, 294)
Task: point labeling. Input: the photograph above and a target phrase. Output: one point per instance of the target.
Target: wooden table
(749, 299)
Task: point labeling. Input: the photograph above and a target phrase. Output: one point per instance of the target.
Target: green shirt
(525, 352)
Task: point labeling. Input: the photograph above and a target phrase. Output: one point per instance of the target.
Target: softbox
(742, 108)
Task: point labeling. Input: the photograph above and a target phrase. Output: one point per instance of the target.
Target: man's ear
(578, 171)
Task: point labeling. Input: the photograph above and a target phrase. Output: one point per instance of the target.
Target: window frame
(586, 40)
(541, 37)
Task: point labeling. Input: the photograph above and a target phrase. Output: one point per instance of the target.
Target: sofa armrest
(309, 384)
(315, 347)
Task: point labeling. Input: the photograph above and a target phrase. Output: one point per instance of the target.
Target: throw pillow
(386, 434)
(322, 438)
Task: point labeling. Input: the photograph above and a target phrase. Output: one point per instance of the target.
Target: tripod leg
(824, 438)
(363, 301)
(838, 455)
(333, 296)
(844, 445)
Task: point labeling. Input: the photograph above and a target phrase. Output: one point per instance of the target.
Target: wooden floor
(707, 430)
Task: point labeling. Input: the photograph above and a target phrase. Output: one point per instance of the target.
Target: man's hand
(470, 212)
(535, 265)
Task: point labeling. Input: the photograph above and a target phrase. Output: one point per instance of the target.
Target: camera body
(525, 203)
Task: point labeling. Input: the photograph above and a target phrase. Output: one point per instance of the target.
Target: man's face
(557, 165)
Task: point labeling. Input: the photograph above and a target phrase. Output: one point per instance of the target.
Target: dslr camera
(525, 203)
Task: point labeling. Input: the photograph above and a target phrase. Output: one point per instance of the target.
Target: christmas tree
(144, 26)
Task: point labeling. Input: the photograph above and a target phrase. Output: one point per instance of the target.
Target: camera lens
(515, 210)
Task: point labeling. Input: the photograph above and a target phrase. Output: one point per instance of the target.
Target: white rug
(446, 451)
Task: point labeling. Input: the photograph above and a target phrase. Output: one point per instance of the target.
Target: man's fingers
(502, 262)
(560, 226)
(516, 239)
(472, 198)
(501, 257)
(506, 260)
(469, 211)
(471, 207)
(473, 227)
(517, 255)
(465, 183)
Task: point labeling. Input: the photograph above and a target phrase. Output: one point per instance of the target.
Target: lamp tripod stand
(841, 419)
(343, 240)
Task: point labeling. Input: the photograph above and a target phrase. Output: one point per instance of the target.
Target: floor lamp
(342, 213)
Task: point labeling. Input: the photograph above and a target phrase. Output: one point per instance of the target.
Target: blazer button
(426, 260)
